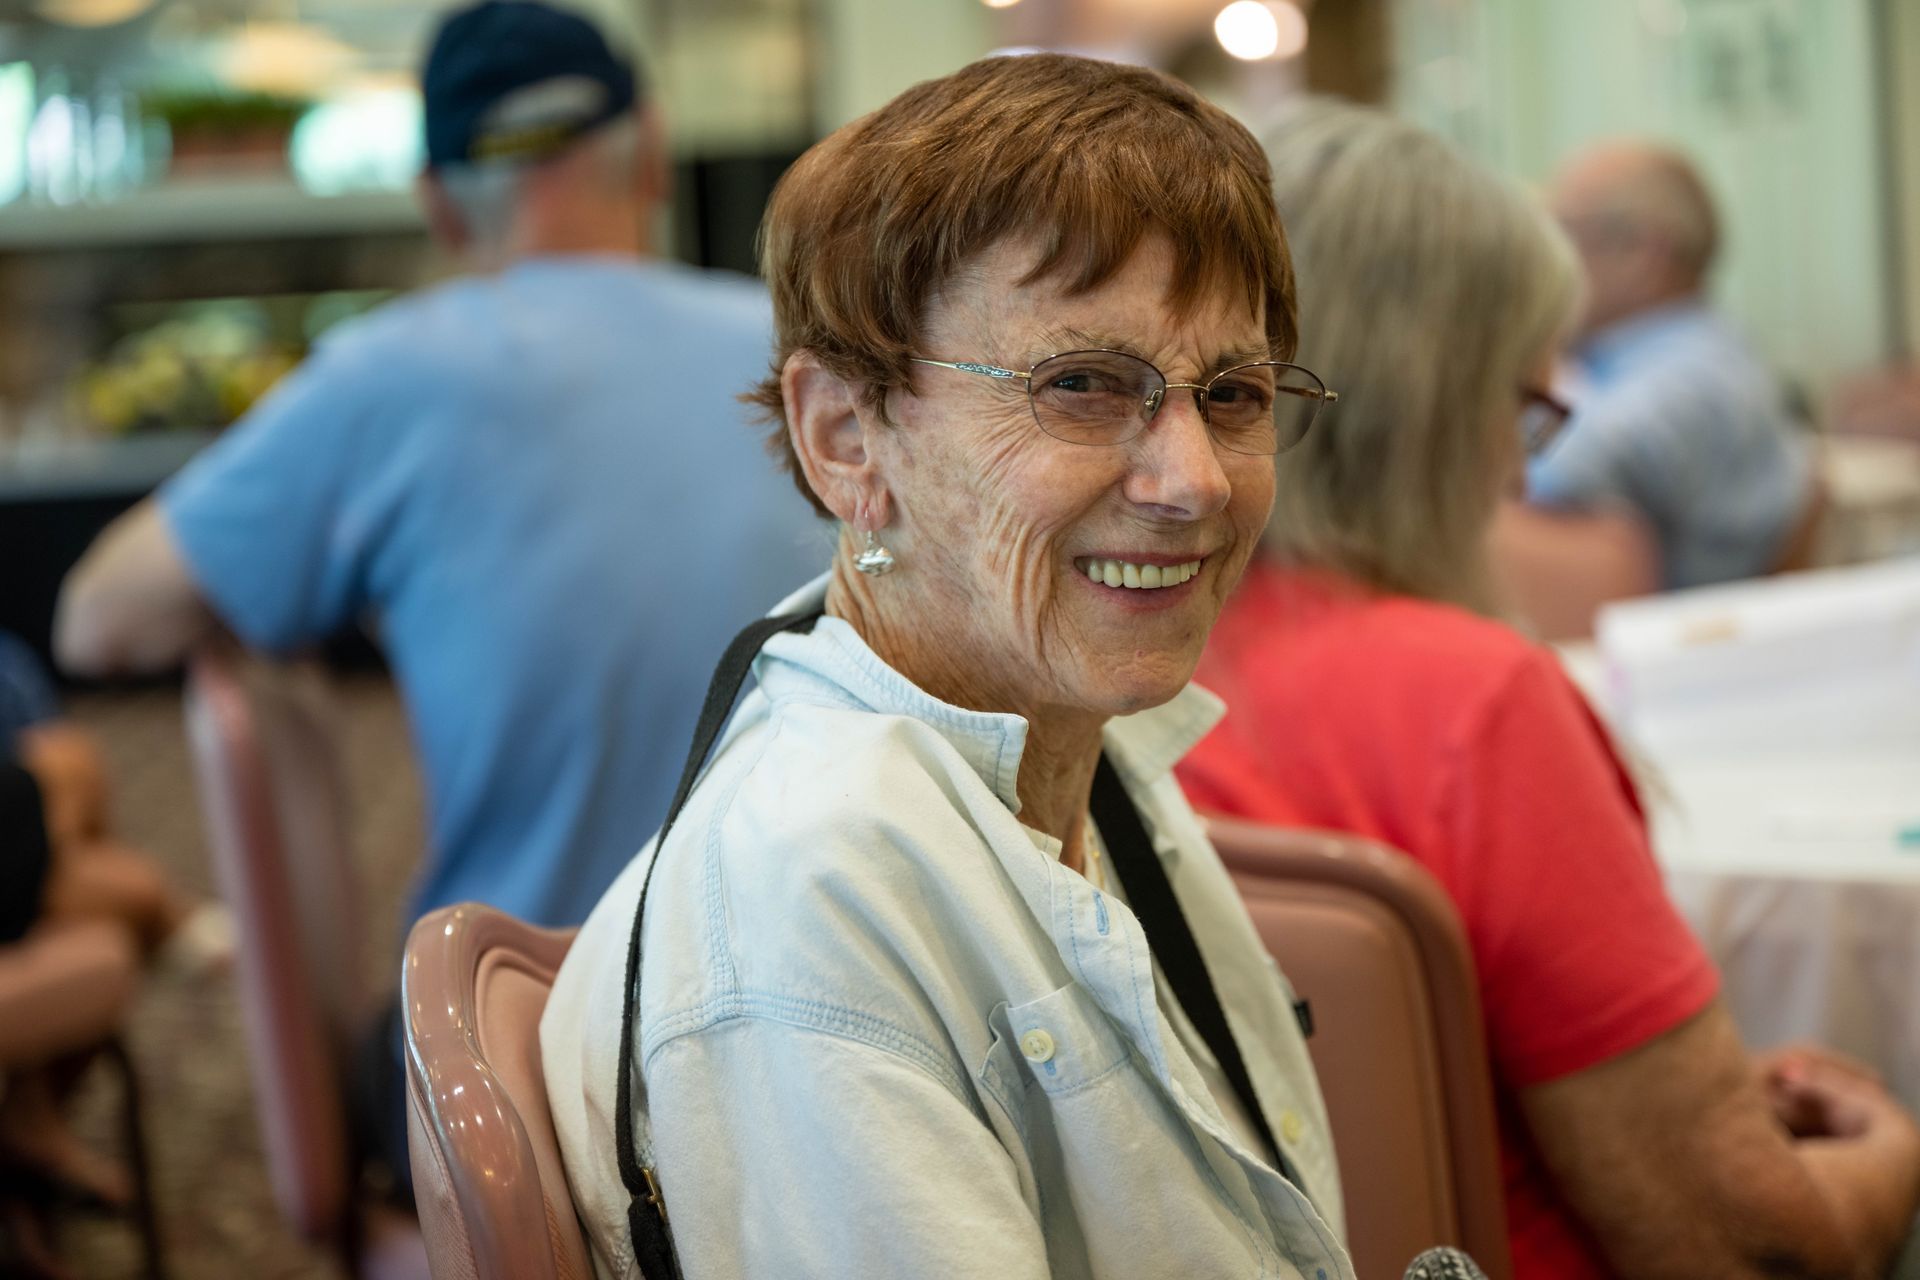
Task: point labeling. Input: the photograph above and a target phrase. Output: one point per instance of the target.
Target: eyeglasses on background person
(1108, 397)
(1542, 416)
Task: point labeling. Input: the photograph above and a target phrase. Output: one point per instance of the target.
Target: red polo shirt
(1451, 737)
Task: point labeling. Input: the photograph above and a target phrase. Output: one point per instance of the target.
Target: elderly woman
(936, 972)
(1373, 691)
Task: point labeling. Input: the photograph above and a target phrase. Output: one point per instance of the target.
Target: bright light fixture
(91, 13)
(1255, 30)
(1000, 4)
(1247, 30)
(288, 59)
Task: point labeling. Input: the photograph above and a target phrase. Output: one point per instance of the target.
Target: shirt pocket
(1042, 1052)
(1122, 1183)
(1061, 1042)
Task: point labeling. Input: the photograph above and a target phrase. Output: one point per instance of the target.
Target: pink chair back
(273, 797)
(1371, 940)
(487, 1173)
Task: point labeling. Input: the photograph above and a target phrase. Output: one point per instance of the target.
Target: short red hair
(1087, 158)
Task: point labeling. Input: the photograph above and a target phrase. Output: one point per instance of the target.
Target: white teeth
(1139, 577)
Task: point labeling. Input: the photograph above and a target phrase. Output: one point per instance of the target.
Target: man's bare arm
(1681, 1164)
(130, 605)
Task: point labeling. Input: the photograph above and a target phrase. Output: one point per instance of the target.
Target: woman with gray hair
(935, 974)
(1373, 689)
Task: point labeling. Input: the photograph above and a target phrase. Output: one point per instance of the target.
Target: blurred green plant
(201, 365)
(216, 111)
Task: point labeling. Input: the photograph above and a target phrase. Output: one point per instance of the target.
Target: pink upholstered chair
(487, 1174)
(273, 796)
(1371, 940)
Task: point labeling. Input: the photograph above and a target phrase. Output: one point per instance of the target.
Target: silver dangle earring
(874, 559)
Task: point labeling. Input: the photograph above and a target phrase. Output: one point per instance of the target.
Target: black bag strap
(1170, 940)
(646, 1208)
(1148, 891)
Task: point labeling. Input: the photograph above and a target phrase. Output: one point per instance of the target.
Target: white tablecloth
(1802, 877)
(1801, 874)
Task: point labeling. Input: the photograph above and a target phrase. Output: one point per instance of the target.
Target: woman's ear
(830, 439)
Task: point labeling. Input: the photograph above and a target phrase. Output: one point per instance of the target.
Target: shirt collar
(1147, 744)
(833, 663)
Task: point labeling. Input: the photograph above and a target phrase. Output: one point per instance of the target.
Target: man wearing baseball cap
(537, 478)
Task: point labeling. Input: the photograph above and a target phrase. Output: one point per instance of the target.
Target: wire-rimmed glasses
(1108, 397)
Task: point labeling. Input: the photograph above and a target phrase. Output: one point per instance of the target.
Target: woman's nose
(1176, 466)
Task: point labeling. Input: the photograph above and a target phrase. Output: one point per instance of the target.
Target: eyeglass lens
(1107, 397)
(1540, 423)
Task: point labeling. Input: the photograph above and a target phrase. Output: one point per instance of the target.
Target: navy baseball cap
(517, 80)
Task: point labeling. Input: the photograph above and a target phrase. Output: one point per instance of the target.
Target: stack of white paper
(1807, 662)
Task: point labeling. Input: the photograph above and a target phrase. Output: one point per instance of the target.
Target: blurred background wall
(1903, 108)
(1788, 105)
(192, 190)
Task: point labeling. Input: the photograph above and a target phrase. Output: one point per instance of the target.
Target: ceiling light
(91, 13)
(1255, 30)
(1247, 30)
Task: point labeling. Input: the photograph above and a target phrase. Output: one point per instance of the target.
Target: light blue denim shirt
(1683, 425)
(884, 1033)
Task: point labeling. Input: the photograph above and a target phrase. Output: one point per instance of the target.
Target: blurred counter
(83, 468)
(207, 209)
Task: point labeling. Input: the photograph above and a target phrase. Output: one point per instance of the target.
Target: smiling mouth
(1138, 577)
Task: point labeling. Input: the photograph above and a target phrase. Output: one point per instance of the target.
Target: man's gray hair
(487, 194)
(1663, 193)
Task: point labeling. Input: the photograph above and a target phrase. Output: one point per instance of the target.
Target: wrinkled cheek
(1016, 560)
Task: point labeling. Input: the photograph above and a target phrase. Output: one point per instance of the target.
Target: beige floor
(217, 1211)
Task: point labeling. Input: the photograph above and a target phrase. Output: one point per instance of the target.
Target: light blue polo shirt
(1683, 425)
(543, 488)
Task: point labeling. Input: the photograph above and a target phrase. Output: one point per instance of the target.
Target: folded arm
(1682, 1165)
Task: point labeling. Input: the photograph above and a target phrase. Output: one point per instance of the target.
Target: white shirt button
(1037, 1045)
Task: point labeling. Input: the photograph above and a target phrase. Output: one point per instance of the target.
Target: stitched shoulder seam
(815, 1015)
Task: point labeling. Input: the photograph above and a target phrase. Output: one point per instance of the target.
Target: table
(1800, 872)
(1802, 878)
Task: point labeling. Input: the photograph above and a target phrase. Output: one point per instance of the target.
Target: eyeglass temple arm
(969, 366)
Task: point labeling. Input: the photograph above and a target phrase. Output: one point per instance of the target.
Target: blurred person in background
(1677, 422)
(92, 872)
(65, 986)
(897, 1014)
(1372, 689)
(513, 473)
(77, 905)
